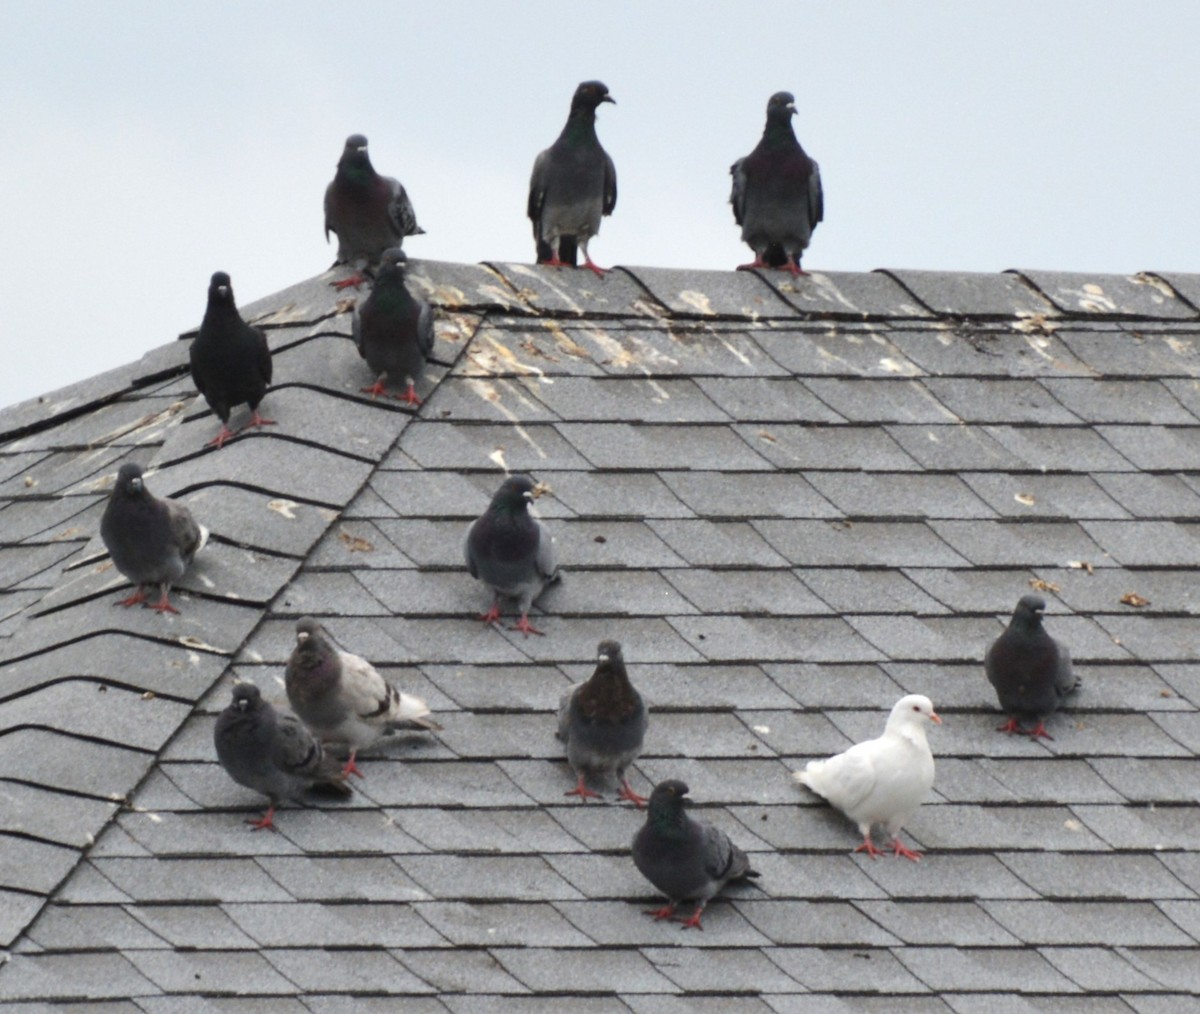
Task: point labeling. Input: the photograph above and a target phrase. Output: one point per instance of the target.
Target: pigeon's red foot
(753, 265)
(901, 849)
(693, 920)
(628, 793)
(583, 792)
(375, 390)
(137, 598)
(350, 768)
(870, 848)
(1011, 726)
(353, 282)
(525, 627)
(658, 914)
(492, 615)
(410, 397)
(554, 262)
(163, 605)
(1039, 730)
(794, 269)
(266, 820)
(258, 421)
(219, 440)
(595, 269)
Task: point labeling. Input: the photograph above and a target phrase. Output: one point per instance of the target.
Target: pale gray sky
(146, 144)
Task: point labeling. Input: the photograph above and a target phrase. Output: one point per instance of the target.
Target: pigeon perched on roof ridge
(151, 541)
(1030, 670)
(511, 551)
(777, 197)
(882, 780)
(573, 184)
(687, 860)
(342, 698)
(230, 360)
(369, 212)
(603, 723)
(272, 752)
(393, 329)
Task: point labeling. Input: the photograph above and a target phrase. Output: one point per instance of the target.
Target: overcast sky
(147, 144)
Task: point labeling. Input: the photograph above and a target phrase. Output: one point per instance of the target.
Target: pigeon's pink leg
(870, 848)
(694, 918)
(554, 262)
(525, 627)
(583, 792)
(219, 440)
(350, 768)
(1039, 730)
(409, 397)
(266, 820)
(258, 421)
(1011, 726)
(376, 389)
(493, 614)
(163, 605)
(756, 263)
(794, 269)
(595, 269)
(901, 850)
(628, 793)
(138, 597)
(353, 282)
(666, 912)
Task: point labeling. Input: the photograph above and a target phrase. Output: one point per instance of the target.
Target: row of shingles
(272, 537)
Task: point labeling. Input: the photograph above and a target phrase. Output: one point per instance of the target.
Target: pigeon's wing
(296, 750)
(737, 196)
(547, 554)
(564, 713)
(1065, 679)
(816, 196)
(722, 859)
(363, 690)
(356, 330)
(328, 209)
(610, 185)
(400, 211)
(537, 191)
(846, 779)
(469, 550)
(425, 329)
(262, 352)
(185, 533)
(197, 377)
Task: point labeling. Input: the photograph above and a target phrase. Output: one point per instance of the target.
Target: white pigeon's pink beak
(935, 717)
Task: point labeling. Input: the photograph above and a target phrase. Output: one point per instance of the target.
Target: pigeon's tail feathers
(409, 709)
(333, 783)
(803, 778)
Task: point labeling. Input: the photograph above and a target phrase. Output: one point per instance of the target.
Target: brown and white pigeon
(573, 185)
(777, 197)
(342, 698)
(1030, 670)
(151, 541)
(272, 752)
(603, 723)
(683, 858)
(883, 780)
(368, 212)
(511, 551)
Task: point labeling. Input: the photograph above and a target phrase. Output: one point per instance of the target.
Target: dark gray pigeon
(368, 212)
(777, 198)
(603, 722)
(231, 363)
(151, 541)
(272, 752)
(1030, 670)
(342, 698)
(393, 329)
(686, 860)
(511, 551)
(574, 184)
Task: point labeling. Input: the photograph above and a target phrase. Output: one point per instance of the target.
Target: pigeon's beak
(222, 291)
(361, 148)
(935, 718)
(602, 657)
(791, 108)
(609, 98)
(135, 485)
(301, 636)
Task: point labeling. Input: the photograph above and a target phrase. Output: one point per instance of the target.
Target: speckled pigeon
(603, 722)
(683, 858)
(1030, 670)
(368, 212)
(884, 780)
(394, 329)
(231, 363)
(272, 752)
(342, 698)
(777, 198)
(151, 541)
(511, 551)
(574, 184)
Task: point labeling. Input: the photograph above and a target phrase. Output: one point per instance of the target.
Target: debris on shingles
(1081, 565)
(1142, 278)
(344, 305)
(768, 436)
(145, 422)
(541, 489)
(285, 508)
(355, 543)
(1028, 499)
(1134, 599)
(1038, 584)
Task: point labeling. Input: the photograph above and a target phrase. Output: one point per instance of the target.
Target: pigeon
(574, 183)
(151, 541)
(1030, 670)
(603, 722)
(342, 698)
(272, 752)
(370, 213)
(881, 781)
(777, 197)
(393, 329)
(231, 363)
(686, 860)
(511, 551)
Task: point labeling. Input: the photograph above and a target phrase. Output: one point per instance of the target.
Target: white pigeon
(881, 781)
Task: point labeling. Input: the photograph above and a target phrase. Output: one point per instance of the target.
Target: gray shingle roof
(791, 500)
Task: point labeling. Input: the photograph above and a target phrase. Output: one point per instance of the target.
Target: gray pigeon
(603, 722)
(393, 329)
(686, 860)
(342, 698)
(231, 362)
(777, 198)
(368, 212)
(574, 184)
(511, 551)
(272, 752)
(151, 541)
(1030, 670)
